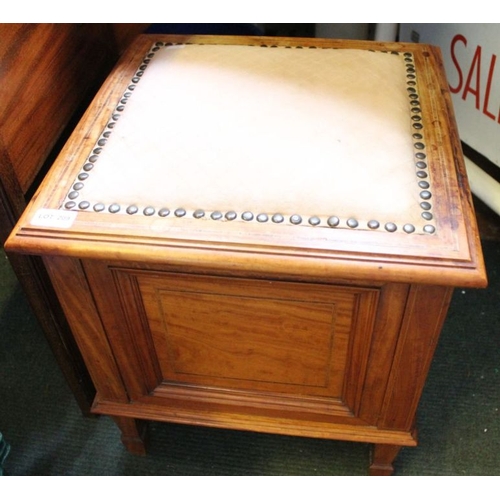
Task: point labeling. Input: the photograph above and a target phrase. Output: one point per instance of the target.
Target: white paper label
(46, 217)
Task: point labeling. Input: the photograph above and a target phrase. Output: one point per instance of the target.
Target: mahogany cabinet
(48, 75)
(261, 234)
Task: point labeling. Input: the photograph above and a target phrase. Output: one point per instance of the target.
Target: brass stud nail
(333, 221)
(247, 216)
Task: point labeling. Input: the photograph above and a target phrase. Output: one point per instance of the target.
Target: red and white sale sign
(471, 53)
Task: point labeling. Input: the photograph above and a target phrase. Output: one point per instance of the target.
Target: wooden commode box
(261, 234)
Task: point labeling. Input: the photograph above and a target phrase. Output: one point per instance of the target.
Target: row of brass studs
(418, 143)
(94, 156)
(295, 219)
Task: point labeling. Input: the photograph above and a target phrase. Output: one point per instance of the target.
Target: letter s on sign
(457, 38)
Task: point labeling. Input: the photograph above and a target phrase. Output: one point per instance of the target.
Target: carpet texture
(459, 414)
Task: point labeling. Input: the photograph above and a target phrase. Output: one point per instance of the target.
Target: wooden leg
(133, 434)
(382, 458)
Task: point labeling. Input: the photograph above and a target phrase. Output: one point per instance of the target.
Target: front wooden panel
(247, 334)
(239, 341)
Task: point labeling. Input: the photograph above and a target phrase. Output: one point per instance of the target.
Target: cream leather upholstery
(264, 129)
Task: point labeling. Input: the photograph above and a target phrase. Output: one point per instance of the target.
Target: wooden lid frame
(448, 254)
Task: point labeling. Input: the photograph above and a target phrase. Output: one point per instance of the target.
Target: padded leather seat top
(265, 130)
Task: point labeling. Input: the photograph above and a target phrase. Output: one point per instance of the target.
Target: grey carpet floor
(459, 414)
